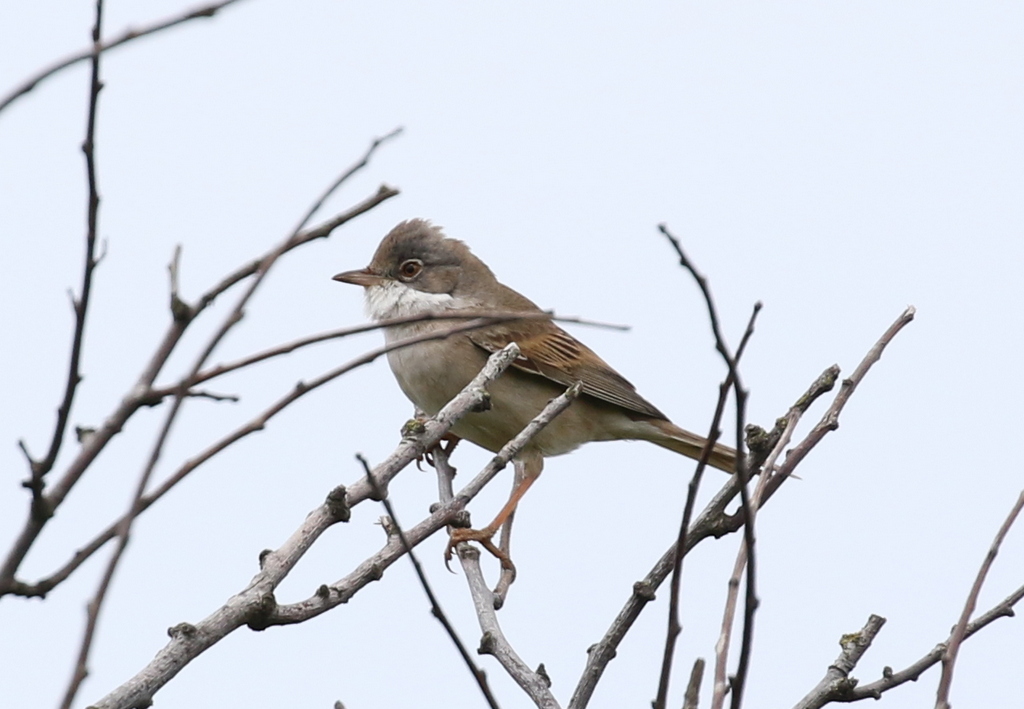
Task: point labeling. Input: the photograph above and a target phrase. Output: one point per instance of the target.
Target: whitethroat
(417, 270)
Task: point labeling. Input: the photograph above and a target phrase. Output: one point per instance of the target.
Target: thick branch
(450, 510)
(256, 604)
(837, 682)
(493, 641)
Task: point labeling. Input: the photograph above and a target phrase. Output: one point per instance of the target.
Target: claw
(483, 536)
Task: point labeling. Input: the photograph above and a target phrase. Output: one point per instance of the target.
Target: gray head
(419, 255)
(417, 269)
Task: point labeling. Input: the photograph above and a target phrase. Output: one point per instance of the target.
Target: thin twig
(135, 506)
(830, 420)
(731, 382)
(496, 315)
(141, 392)
(254, 425)
(343, 178)
(39, 468)
(212, 396)
(322, 230)
(750, 601)
(949, 656)
(127, 36)
(720, 683)
(714, 521)
(81, 668)
(890, 679)
(435, 606)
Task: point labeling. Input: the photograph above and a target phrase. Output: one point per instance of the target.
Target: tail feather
(691, 445)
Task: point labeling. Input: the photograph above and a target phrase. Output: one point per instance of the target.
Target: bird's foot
(451, 439)
(485, 538)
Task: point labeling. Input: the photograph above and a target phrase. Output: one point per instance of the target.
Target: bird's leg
(506, 529)
(531, 464)
(505, 544)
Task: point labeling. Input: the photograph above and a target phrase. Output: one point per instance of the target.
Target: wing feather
(549, 351)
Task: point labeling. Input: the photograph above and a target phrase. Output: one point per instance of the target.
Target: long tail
(691, 445)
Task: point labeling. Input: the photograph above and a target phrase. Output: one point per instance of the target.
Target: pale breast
(431, 373)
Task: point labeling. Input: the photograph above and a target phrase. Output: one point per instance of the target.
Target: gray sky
(837, 161)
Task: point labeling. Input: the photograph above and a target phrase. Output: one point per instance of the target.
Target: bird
(419, 271)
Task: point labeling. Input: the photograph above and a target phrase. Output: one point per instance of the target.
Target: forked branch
(255, 605)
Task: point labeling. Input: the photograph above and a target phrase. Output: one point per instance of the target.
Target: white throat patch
(393, 299)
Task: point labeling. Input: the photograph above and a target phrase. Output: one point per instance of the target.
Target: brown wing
(549, 351)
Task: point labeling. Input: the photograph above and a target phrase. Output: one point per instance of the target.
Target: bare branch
(493, 641)
(830, 421)
(296, 238)
(258, 423)
(203, 394)
(712, 522)
(127, 36)
(320, 231)
(255, 605)
(447, 513)
(39, 504)
(232, 318)
(80, 305)
(720, 684)
(435, 606)
(732, 381)
(691, 700)
(141, 394)
(342, 179)
(492, 316)
(949, 656)
(890, 679)
(750, 601)
(837, 683)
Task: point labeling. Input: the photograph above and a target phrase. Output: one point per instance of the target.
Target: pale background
(837, 161)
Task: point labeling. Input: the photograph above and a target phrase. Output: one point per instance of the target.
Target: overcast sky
(837, 161)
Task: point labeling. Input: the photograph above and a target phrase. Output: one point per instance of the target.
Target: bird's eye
(410, 268)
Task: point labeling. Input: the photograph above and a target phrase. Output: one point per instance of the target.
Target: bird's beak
(363, 277)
